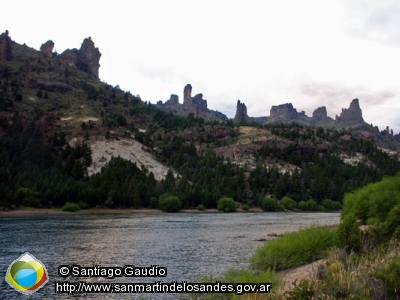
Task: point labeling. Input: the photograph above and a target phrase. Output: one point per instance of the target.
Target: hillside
(67, 136)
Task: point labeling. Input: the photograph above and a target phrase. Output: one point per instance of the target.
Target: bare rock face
(69, 57)
(173, 100)
(187, 94)
(47, 49)
(352, 115)
(241, 113)
(283, 113)
(200, 102)
(320, 115)
(5, 46)
(87, 58)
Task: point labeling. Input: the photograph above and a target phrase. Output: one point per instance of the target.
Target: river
(188, 245)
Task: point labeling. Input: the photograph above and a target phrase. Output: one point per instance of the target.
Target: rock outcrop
(47, 49)
(187, 94)
(196, 106)
(241, 113)
(283, 113)
(320, 117)
(352, 115)
(87, 58)
(173, 100)
(5, 46)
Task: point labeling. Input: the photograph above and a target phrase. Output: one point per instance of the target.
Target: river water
(188, 245)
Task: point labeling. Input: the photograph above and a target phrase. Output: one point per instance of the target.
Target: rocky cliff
(241, 113)
(284, 113)
(5, 46)
(352, 115)
(47, 49)
(320, 117)
(196, 106)
(87, 58)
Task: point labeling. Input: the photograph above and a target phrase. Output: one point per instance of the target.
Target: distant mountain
(350, 119)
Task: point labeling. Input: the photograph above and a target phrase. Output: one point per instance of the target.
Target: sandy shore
(32, 212)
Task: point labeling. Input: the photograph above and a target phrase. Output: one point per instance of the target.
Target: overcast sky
(269, 52)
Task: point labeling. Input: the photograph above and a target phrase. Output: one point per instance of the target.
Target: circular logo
(26, 274)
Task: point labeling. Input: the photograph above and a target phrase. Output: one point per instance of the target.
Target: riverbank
(30, 211)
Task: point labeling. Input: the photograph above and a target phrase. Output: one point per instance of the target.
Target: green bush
(269, 204)
(330, 204)
(288, 203)
(312, 205)
(245, 207)
(169, 203)
(201, 207)
(71, 207)
(373, 200)
(294, 249)
(391, 278)
(349, 235)
(226, 204)
(83, 205)
(303, 205)
(393, 219)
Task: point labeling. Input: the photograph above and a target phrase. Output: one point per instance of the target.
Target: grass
(371, 275)
(294, 249)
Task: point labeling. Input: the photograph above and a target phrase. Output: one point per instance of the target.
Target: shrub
(330, 204)
(71, 207)
(391, 278)
(83, 205)
(269, 204)
(393, 219)
(226, 204)
(312, 205)
(169, 203)
(288, 203)
(201, 207)
(294, 249)
(303, 205)
(373, 200)
(245, 207)
(349, 235)
(302, 290)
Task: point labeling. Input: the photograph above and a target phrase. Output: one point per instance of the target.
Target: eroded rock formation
(47, 49)
(196, 106)
(351, 115)
(241, 113)
(87, 58)
(187, 94)
(5, 46)
(283, 113)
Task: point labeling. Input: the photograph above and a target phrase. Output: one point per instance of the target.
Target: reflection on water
(188, 245)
